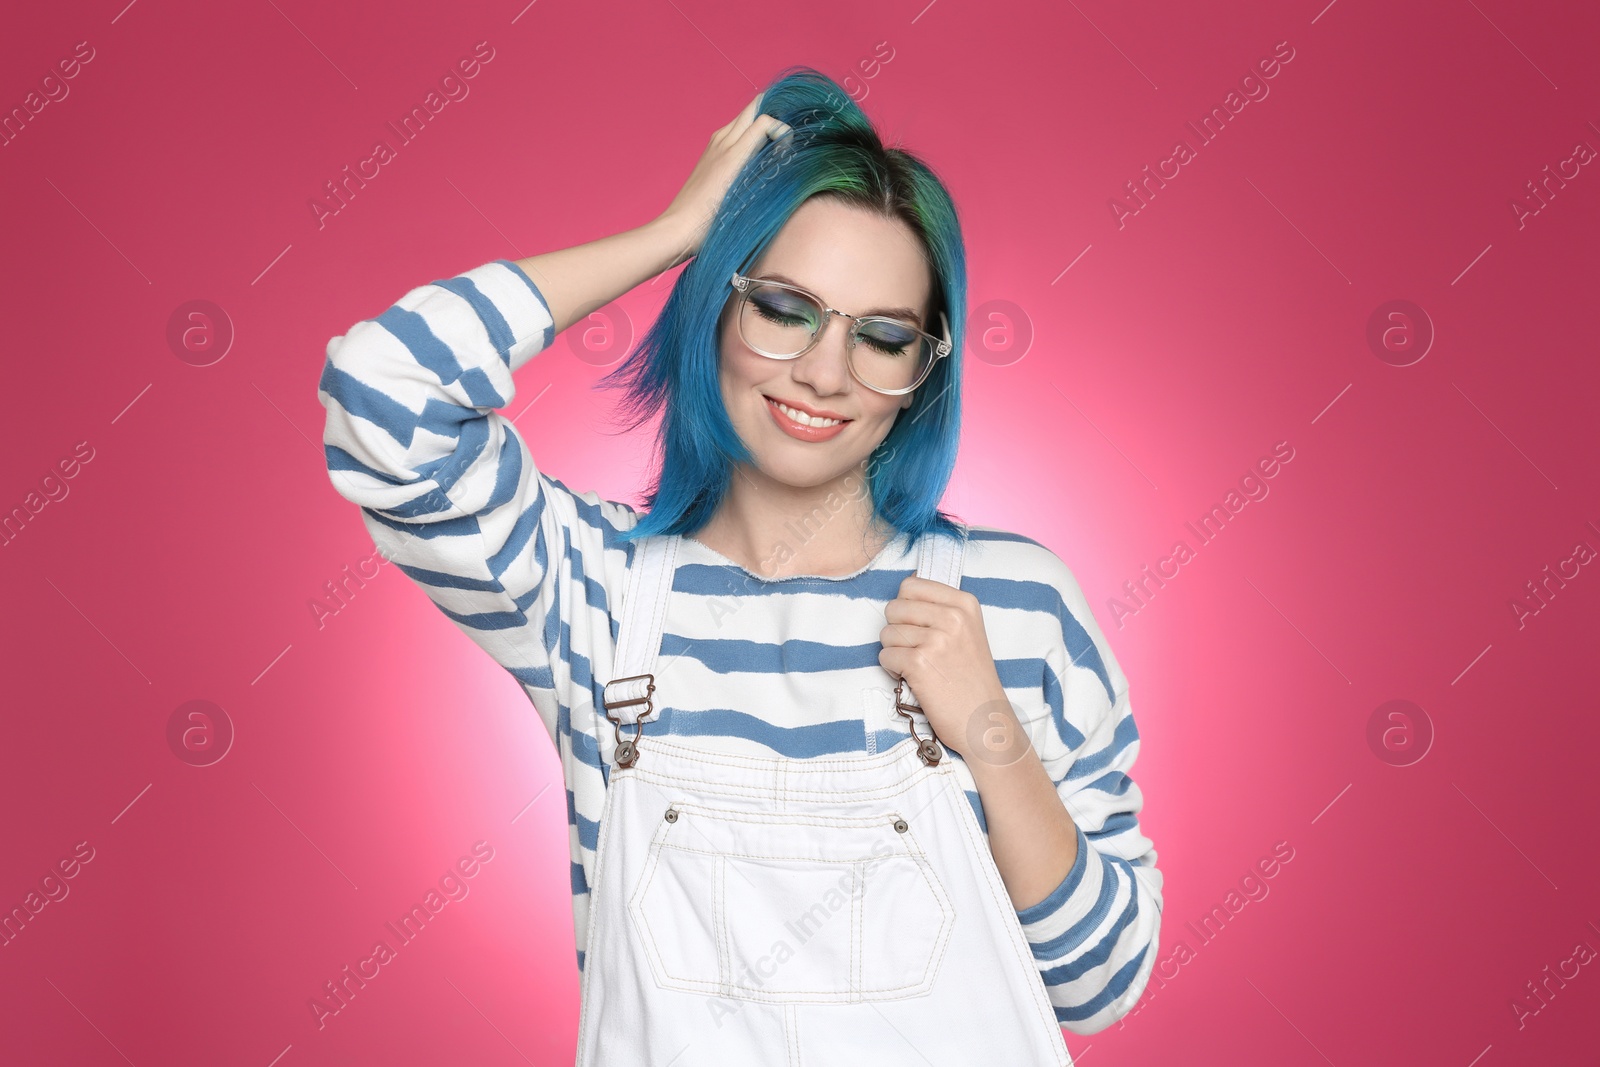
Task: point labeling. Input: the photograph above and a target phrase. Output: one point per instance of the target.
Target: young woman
(846, 778)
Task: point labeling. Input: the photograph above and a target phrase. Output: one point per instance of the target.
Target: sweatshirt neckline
(891, 548)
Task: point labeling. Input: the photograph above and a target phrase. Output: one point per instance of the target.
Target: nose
(826, 367)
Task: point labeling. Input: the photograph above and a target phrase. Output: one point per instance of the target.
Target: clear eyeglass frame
(941, 347)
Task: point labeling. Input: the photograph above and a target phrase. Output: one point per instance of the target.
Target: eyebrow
(892, 313)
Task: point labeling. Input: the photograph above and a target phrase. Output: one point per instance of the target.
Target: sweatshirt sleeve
(446, 485)
(1095, 937)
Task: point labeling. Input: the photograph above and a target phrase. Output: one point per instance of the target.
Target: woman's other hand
(935, 640)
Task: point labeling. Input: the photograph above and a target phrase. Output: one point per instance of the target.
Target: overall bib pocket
(790, 907)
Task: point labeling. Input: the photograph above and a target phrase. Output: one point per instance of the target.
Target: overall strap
(941, 559)
(627, 696)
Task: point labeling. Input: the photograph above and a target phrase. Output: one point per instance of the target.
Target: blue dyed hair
(832, 151)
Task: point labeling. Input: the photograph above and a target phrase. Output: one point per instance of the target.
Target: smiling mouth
(803, 425)
(804, 418)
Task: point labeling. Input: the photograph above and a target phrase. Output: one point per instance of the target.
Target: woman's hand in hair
(691, 211)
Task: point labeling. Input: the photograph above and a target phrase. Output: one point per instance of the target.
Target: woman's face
(862, 264)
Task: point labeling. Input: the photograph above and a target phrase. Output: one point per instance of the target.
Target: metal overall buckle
(927, 747)
(628, 748)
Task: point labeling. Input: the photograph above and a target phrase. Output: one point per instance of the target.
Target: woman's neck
(776, 530)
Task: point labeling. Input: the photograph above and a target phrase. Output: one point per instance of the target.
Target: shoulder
(1035, 602)
(1005, 568)
(606, 518)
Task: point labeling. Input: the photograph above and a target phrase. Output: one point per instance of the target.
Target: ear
(906, 400)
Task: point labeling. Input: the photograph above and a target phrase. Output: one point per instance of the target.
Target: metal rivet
(672, 815)
(899, 826)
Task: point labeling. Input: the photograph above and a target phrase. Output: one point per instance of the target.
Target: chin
(799, 470)
(797, 475)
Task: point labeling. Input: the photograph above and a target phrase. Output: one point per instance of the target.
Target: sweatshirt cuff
(513, 310)
(1060, 915)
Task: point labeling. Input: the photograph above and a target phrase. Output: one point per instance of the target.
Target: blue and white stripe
(533, 572)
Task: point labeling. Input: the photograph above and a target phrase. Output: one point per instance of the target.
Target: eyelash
(790, 320)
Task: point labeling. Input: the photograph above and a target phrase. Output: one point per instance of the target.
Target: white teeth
(806, 420)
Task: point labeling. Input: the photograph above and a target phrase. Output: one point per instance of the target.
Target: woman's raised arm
(576, 281)
(446, 484)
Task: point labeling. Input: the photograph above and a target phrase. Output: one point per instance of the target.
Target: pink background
(374, 747)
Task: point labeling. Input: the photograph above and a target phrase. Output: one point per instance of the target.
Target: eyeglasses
(887, 355)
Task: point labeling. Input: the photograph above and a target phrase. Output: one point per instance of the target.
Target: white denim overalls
(821, 912)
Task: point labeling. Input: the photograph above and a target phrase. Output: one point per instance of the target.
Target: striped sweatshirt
(534, 573)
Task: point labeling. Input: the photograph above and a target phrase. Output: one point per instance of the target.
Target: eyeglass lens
(780, 322)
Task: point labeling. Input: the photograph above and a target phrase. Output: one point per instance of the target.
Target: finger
(904, 612)
(749, 112)
(739, 122)
(894, 636)
(922, 615)
(884, 658)
(763, 128)
(914, 587)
